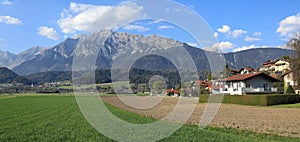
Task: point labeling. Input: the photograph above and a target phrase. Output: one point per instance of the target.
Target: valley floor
(268, 120)
(58, 118)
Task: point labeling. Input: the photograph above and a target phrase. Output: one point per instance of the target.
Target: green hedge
(263, 100)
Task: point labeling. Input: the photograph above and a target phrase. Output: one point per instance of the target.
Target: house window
(247, 85)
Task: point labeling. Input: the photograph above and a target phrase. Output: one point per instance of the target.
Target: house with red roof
(172, 92)
(290, 79)
(249, 83)
(279, 66)
(205, 84)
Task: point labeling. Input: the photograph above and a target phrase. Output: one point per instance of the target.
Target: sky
(237, 24)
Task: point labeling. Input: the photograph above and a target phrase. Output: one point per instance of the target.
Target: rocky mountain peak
(60, 57)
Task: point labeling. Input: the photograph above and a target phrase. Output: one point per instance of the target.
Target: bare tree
(294, 44)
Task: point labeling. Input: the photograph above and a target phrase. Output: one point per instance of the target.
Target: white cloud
(254, 46)
(7, 2)
(244, 48)
(48, 32)
(238, 33)
(193, 44)
(2, 43)
(79, 17)
(74, 7)
(257, 34)
(224, 29)
(156, 21)
(136, 27)
(248, 38)
(289, 25)
(231, 34)
(168, 10)
(165, 27)
(10, 20)
(216, 35)
(224, 45)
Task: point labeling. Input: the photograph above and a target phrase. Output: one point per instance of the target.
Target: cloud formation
(289, 25)
(193, 44)
(257, 34)
(248, 47)
(224, 29)
(79, 17)
(48, 32)
(2, 43)
(10, 20)
(248, 38)
(165, 27)
(156, 21)
(216, 34)
(238, 33)
(136, 27)
(7, 2)
(224, 45)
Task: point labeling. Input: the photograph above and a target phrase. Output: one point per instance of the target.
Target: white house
(289, 79)
(276, 66)
(253, 83)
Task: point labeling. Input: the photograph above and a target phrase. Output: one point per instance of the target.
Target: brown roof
(234, 70)
(273, 75)
(172, 90)
(270, 62)
(216, 87)
(248, 69)
(286, 73)
(241, 77)
(203, 83)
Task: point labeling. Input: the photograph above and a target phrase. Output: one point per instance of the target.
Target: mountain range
(60, 57)
(8, 76)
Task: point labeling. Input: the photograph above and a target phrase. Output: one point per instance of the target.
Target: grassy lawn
(58, 118)
(289, 105)
(65, 87)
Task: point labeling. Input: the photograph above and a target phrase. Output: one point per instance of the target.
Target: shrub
(46, 90)
(282, 99)
(289, 90)
(262, 100)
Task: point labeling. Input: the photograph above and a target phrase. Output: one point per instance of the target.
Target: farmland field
(58, 118)
(277, 120)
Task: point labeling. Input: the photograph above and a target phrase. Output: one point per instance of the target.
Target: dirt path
(280, 121)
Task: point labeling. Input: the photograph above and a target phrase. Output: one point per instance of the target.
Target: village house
(279, 66)
(289, 79)
(204, 84)
(245, 70)
(172, 92)
(252, 83)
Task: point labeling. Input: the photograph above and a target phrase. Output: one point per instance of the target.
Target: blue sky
(237, 24)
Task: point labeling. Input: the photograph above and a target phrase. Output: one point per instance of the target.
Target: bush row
(262, 100)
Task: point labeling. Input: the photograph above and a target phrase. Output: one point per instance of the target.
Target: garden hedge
(262, 100)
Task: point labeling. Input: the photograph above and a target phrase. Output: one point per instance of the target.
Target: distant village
(273, 77)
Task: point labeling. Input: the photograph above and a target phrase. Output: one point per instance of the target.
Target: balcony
(269, 89)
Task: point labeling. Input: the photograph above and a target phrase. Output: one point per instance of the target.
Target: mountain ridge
(8, 76)
(60, 56)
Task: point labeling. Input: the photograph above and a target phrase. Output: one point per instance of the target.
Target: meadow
(58, 118)
(289, 105)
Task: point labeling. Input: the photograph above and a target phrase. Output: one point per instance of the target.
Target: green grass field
(289, 105)
(58, 118)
